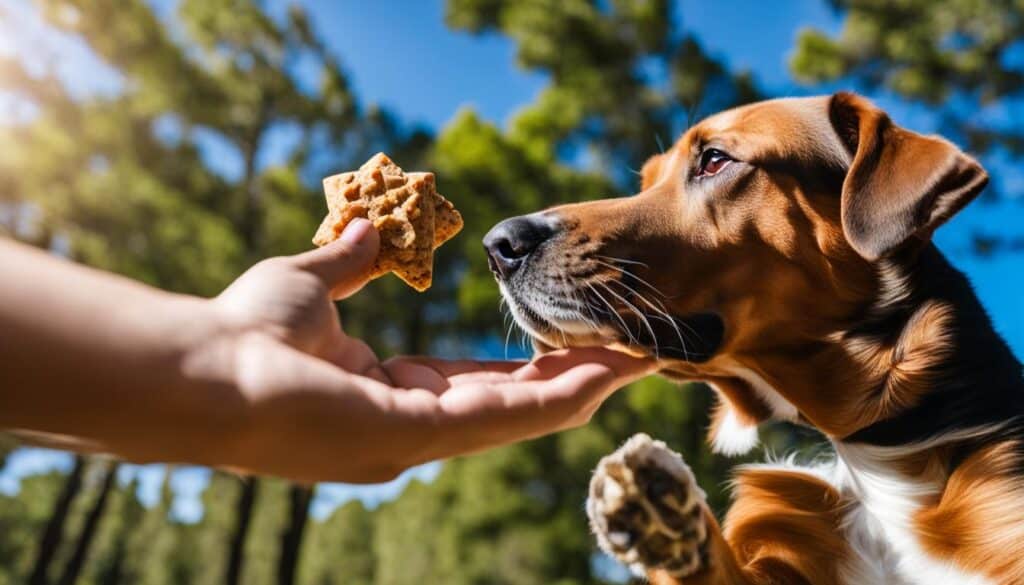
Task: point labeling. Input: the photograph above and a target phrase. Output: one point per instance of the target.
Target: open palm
(360, 419)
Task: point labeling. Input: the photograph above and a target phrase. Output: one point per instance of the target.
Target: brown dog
(780, 252)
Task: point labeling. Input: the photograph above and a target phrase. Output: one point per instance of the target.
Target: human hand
(323, 407)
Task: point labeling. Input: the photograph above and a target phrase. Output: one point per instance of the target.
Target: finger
(553, 364)
(514, 410)
(438, 376)
(449, 368)
(343, 264)
(589, 384)
(357, 357)
(412, 374)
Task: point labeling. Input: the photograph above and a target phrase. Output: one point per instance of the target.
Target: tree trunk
(253, 212)
(299, 497)
(55, 527)
(92, 522)
(252, 236)
(130, 516)
(252, 220)
(243, 515)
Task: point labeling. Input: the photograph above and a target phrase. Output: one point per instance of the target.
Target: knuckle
(393, 360)
(270, 264)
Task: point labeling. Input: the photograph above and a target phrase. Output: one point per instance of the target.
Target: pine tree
(292, 535)
(958, 58)
(84, 542)
(152, 541)
(340, 549)
(50, 538)
(179, 225)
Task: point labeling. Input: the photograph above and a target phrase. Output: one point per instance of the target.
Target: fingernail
(356, 230)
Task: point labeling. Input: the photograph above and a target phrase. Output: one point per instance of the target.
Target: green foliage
(622, 78)
(152, 542)
(341, 548)
(960, 58)
(22, 519)
(213, 534)
(493, 176)
(923, 50)
(261, 547)
(112, 191)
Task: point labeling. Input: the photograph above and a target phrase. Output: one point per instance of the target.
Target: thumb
(344, 264)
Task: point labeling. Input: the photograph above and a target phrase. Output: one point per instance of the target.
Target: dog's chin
(546, 337)
(548, 334)
(545, 344)
(693, 339)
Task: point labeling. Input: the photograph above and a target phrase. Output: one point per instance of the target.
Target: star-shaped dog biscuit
(412, 217)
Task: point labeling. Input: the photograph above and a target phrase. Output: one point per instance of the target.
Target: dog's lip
(689, 338)
(699, 338)
(553, 335)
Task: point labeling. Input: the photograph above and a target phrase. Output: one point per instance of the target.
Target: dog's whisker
(639, 313)
(508, 322)
(660, 303)
(625, 328)
(659, 308)
(623, 260)
(634, 276)
(592, 321)
(631, 274)
(508, 334)
(660, 313)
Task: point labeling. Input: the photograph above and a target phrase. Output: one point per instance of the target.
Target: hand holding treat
(412, 217)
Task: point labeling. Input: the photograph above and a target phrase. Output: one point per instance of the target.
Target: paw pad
(646, 509)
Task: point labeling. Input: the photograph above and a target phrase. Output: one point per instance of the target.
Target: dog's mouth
(604, 301)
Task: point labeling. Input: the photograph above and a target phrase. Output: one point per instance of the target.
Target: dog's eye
(712, 161)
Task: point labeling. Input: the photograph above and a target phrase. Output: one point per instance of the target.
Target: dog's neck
(919, 360)
(971, 380)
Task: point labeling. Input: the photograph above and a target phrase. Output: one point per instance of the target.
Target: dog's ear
(900, 185)
(651, 170)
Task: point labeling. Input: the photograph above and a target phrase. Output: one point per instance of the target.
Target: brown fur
(784, 529)
(979, 518)
(797, 252)
(768, 254)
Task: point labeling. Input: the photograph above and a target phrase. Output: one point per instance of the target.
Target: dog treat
(412, 217)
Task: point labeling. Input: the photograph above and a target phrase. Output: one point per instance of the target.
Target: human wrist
(208, 339)
(203, 383)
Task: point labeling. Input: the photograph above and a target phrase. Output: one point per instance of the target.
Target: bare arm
(101, 358)
(262, 378)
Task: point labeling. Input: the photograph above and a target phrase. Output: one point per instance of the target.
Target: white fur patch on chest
(878, 524)
(734, 437)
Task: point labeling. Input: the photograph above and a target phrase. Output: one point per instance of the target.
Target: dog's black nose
(511, 241)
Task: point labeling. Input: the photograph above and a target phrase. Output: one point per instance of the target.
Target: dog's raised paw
(646, 509)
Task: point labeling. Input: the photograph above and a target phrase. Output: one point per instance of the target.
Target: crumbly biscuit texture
(412, 218)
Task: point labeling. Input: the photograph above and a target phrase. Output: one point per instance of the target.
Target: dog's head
(762, 228)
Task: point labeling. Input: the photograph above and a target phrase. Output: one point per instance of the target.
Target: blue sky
(426, 72)
(400, 55)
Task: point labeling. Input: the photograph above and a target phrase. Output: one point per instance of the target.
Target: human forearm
(262, 378)
(105, 359)
(115, 366)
